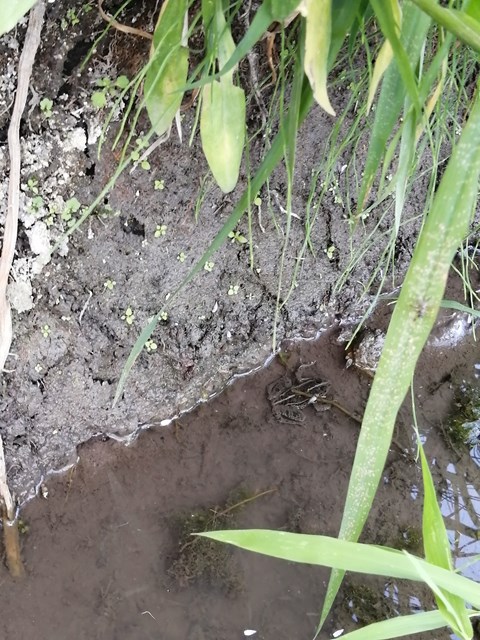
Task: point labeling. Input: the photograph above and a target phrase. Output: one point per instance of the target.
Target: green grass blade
(386, 13)
(347, 556)
(415, 25)
(412, 319)
(437, 551)
(466, 27)
(399, 627)
(458, 306)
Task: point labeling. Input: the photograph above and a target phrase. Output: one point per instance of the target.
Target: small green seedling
(159, 185)
(160, 230)
(70, 20)
(38, 368)
(163, 316)
(32, 184)
(236, 236)
(331, 251)
(181, 257)
(145, 164)
(36, 204)
(108, 88)
(46, 331)
(150, 346)
(71, 206)
(46, 107)
(109, 284)
(209, 265)
(233, 290)
(128, 316)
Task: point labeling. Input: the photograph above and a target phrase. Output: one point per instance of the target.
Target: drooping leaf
(222, 129)
(167, 74)
(317, 47)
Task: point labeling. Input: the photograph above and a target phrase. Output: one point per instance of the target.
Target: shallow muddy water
(105, 549)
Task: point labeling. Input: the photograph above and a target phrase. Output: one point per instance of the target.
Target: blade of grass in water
(412, 319)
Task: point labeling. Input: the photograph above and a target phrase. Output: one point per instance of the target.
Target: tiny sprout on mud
(108, 87)
(71, 207)
(128, 316)
(46, 107)
(160, 230)
(233, 290)
(32, 184)
(181, 257)
(145, 164)
(236, 236)
(150, 346)
(109, 284)
(163, 316)
(159, 185)
(331, 251)
(46, 331)
(71, 19)
(209, 265)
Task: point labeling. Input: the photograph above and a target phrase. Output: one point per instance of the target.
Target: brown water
(102, 551)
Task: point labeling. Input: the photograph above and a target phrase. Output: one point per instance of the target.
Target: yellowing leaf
(317, 47)
(222, 129)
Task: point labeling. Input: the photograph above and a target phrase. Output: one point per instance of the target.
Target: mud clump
(202, 561)
(366, 605)
(462, 430)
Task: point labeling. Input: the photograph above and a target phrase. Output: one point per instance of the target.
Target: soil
(104, 544)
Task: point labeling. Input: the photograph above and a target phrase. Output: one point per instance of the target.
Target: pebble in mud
(366, 353)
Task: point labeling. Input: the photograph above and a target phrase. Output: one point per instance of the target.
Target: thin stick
(32, 41)
(122, 27)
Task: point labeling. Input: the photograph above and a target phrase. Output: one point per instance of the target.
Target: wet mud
(105, 547)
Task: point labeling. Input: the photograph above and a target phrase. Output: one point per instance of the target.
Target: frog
(289, 397)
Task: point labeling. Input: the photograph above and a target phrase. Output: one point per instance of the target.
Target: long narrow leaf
(412, 319)
(347, 556)
(437, 551)
(464, 26)
(415, 25)
(399, 627)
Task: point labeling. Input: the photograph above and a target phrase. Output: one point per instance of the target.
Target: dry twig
(32, 41)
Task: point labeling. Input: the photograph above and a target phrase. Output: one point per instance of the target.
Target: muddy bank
(104, 549)
(77, 316)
